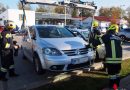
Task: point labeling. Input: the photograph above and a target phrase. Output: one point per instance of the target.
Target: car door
(27, 43)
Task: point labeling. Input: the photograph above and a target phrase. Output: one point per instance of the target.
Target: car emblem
(77, 52)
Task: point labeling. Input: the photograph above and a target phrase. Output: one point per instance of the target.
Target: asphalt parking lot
(28, 79)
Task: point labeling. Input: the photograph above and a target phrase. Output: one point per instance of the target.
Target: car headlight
(51, 52)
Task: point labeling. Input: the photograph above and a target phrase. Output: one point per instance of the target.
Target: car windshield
(85, 34)
(53, 32)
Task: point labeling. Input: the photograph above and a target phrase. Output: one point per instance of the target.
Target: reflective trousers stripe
(3, 69)
(112, 61)
(114, 76)
(11, 67)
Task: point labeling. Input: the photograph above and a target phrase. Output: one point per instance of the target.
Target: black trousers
(7, 61)
(114, 70)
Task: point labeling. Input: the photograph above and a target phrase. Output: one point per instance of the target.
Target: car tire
(37, 64)
(123, 38)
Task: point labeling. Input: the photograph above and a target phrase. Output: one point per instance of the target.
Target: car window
(53, 32)
(85, 34)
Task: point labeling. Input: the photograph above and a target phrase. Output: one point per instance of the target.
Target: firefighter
(113, 57)
(7, 60)
(97, 36)
(96, 31)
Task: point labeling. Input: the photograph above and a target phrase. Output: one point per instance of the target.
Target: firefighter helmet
(95, 24)
(10, 25)
(112, 27)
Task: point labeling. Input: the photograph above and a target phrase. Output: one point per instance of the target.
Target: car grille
(81, 65)
(75, 52)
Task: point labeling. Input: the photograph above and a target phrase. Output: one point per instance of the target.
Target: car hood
(64, 43)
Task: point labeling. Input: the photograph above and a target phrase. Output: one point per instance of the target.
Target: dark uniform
(7, 60)
(113, 55)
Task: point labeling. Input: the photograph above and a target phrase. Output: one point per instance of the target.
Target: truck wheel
(37, 64)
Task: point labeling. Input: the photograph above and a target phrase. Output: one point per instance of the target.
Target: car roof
(48, 25)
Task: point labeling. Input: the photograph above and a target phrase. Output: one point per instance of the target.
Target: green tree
(41, 8)
(60, 10)
(74, 12)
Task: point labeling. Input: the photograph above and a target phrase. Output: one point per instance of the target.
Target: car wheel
(123, 38)
(37, 64)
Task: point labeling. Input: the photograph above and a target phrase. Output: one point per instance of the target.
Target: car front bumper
(66, 63)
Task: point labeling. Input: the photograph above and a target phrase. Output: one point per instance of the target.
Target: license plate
(79, 60)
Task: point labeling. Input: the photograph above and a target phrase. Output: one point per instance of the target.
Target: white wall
(3, 16)
(14, 15)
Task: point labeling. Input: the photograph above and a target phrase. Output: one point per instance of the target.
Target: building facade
(16, 16)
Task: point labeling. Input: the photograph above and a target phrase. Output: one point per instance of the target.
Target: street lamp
(121, 16)
(65, 15)
(121, 10)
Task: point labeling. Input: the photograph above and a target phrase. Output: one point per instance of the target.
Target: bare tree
(27, 6)
(3, 8)
(127, 17)
(114, 12)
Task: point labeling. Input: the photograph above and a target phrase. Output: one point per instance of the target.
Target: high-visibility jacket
(6, 40)
(112, 45)
(97, 33)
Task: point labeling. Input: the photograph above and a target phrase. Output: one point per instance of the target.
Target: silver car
(55, 48)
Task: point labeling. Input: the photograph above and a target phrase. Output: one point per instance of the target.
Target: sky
(100, 3)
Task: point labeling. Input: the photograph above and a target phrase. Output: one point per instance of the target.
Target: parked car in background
(124, 34)
(55, 48)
